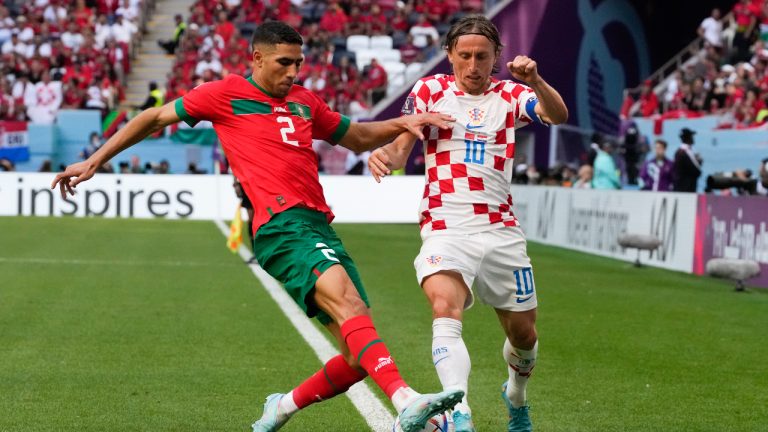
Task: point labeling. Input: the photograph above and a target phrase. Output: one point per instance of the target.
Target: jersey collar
(262, 89)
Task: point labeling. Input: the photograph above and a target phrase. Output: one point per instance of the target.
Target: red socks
(334, 378)
(373, 356)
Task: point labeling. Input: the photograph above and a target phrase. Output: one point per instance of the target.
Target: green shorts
(295, 247)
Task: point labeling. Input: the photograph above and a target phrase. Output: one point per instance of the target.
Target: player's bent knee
(442, 308)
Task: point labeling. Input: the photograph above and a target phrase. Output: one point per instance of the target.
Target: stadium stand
(59, 54)
(727, 76)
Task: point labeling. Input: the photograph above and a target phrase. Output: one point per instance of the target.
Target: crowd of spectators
(65, 54)
(213, 42)
(728, 77)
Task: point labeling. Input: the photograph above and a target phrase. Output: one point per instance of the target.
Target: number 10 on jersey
(475, 151)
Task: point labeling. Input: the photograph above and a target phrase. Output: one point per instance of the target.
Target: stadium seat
(414, 71)
(388, 55)
(363, 57)
(395, 70)
(381, 42)
(358, 42)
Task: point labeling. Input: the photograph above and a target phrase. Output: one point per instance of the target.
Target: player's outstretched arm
(367, 136)
(551, 109)
(392, 156)
(140, 127)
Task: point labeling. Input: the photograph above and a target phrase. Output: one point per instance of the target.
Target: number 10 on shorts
(524, 279)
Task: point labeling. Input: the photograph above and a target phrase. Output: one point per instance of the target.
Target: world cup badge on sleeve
(408, 105)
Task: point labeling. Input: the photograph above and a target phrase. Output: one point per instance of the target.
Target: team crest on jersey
(408, 105)
(476, 117)
(434, 260)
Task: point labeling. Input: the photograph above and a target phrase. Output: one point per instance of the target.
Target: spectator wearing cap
(687, 168)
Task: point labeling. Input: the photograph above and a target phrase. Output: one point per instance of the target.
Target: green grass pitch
(152, 325)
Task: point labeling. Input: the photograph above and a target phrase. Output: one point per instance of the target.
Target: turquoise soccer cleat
(415, 416)
(271, 420)
(519, 420)
(462, 422)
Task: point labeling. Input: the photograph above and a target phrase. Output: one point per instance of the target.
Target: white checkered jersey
(469, 168)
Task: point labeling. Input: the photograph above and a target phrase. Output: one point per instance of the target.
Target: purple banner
(732, 227)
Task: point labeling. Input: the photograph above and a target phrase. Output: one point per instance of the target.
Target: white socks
(451, 358)
(287, 406)
(520, 363)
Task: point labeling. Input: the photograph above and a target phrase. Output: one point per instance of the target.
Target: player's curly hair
(474, 24)
(276, 32)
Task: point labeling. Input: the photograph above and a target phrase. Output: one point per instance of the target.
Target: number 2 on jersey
(284, 131)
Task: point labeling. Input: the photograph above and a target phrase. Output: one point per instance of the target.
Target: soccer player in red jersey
(266, 125)
(471, 238)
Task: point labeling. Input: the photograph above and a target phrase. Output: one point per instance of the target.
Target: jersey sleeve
(327, 125)
(200, 104)
(418, 99)
(524, 101)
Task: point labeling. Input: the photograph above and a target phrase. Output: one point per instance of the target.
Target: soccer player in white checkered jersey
(469, 232)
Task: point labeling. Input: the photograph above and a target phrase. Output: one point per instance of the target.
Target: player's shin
(334, 378)
(364, 343)
(451, 358)
(520, 364)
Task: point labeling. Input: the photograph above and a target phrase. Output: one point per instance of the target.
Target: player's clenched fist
(524, 69)
(379, 164)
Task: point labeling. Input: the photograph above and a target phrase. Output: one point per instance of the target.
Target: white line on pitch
(140, 263)
(373, 411)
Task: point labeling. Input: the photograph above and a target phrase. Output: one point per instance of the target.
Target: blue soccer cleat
(415, 416)
(271, 420)
(462, 422)
(519, 420)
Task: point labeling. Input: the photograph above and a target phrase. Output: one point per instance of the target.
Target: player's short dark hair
(662, 142)
(474, 24)
(276, 32)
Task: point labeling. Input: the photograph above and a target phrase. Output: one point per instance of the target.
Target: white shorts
(495, 261)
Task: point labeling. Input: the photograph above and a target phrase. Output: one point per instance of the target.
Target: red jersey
(268, 141)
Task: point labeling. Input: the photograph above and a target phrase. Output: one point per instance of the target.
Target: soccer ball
(439, 423)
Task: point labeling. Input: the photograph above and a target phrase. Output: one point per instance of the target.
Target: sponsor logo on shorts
(434, 260)
(523, 300)
(383, 361)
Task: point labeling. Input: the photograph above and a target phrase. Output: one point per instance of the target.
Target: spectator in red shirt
(358, 23)
(434, 10)
(348, 72)
(649, 102)
(409, 52)
(293, 18)
(334, 20)
(745, 19)
(376, 85)
(379, 23)
(224, 27)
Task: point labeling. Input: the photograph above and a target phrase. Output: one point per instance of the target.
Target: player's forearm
(550, 101)
(399, 150)
(370, 135)
(136, 130)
